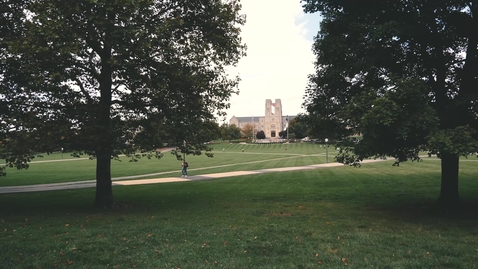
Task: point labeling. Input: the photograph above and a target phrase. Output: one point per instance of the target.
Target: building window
(273, 126)
(273, 133)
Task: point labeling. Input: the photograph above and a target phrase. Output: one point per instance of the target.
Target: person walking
(185, 169)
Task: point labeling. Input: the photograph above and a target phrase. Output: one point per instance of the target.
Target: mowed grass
(54, 169)
(376, 216)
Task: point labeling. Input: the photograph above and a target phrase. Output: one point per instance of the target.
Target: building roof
(247, 119)
(256, 119)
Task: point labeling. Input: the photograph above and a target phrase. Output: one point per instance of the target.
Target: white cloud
(279, 57)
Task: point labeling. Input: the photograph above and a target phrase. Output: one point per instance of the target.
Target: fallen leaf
(66, 225)
(319, 262)
(335, 250)
(149, 235)
(316, 254)
(70, 262)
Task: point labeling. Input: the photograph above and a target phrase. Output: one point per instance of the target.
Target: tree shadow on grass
(431, 210)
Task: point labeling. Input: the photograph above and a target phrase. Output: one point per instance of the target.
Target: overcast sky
(279, 57)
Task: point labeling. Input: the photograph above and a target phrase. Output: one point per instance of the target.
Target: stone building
(271, 123)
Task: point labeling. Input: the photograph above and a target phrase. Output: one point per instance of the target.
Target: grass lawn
(54, 169)
(377, 216)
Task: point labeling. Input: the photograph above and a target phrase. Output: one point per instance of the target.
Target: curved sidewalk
(92, 183)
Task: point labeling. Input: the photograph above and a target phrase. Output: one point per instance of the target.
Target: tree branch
(84, 91)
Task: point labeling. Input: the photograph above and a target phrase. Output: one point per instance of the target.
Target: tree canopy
(230, 132)
(298, 127)
(401, 73)
(260, 135)
(247, 130)
(99, 77)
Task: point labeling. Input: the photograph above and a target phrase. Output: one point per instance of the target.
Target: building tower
(273, 119)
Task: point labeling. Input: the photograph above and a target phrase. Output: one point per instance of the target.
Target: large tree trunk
(104, 191)
(449, 197)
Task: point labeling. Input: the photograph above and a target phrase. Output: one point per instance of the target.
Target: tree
(96, 76)
(283, 134)
(298, 127)
(247, 130)
(403, 74)
(260, 135)
(230, 132)
(10, 19)
(209, 131)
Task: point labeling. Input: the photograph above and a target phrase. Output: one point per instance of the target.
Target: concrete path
(92, 183)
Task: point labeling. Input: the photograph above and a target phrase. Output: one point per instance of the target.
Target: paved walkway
(92, 183)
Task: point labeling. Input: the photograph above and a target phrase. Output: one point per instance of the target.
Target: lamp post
(326, 151)
(184, 153)
(253, 125)
(287, 122)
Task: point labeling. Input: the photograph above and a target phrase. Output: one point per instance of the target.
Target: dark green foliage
(105, 78)
(260, 135)
(298, 128)
(402, 74)
(230, 132)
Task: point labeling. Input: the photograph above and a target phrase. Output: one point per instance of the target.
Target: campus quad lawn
(255, 156)
(377, 216)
